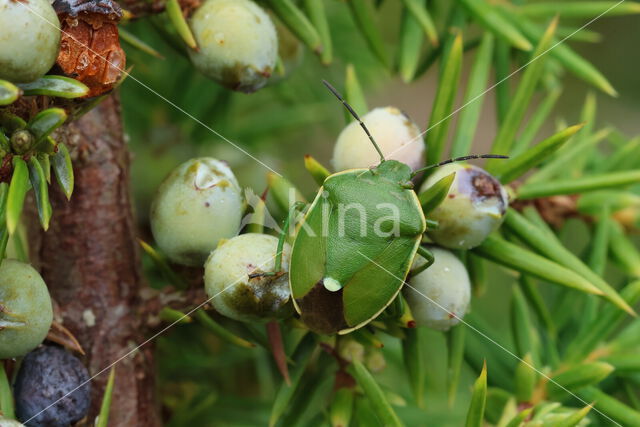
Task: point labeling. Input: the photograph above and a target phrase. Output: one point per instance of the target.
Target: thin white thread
(490, 340)
(147, 341)
(177, 107)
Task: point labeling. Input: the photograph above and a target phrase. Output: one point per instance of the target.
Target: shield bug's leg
(428, 257)
(460, 159)
(281, 240)
(337, 94)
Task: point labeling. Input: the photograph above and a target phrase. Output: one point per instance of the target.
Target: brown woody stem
(90, 262)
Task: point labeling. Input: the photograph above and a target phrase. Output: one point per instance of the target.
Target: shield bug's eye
(28, 46)
(25, 309)
(396, 135)
(52, 387)
(237, 43)
(441, 293)
(473, 209)
(196, 206)
(235, 278)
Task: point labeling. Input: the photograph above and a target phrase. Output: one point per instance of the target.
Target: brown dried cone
(90, 47)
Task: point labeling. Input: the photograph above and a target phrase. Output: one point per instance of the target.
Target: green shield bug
(357, 243)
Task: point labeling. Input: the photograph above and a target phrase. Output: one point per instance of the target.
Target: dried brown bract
(90, 47)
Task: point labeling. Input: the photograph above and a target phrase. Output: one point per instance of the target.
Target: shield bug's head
(474, 207)
(25, 309)
(395, 172)
(395, 133)
(237, 43)
(197, 205)
(235, 278)
(439, 296)
(52, 388)
(30, 39)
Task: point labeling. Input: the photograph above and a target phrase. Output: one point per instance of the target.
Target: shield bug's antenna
(460, 159)
(355, 115)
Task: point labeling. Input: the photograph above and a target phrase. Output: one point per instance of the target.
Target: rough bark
(90, 262)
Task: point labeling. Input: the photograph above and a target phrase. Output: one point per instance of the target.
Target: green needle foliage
(551, 337)
(568, 333)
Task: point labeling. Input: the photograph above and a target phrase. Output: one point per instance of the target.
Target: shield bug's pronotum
(357, 242)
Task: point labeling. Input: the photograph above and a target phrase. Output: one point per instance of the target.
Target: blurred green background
(207, 383)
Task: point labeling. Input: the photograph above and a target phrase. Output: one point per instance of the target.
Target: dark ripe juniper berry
(46, 375)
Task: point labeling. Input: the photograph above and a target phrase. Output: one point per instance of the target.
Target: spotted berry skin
(237, 43)
(439, 296)
(45, 376)
(396, 134)
(232, 278)
(474, 207)
(29, 39)
(25, 309)
(198, 204)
